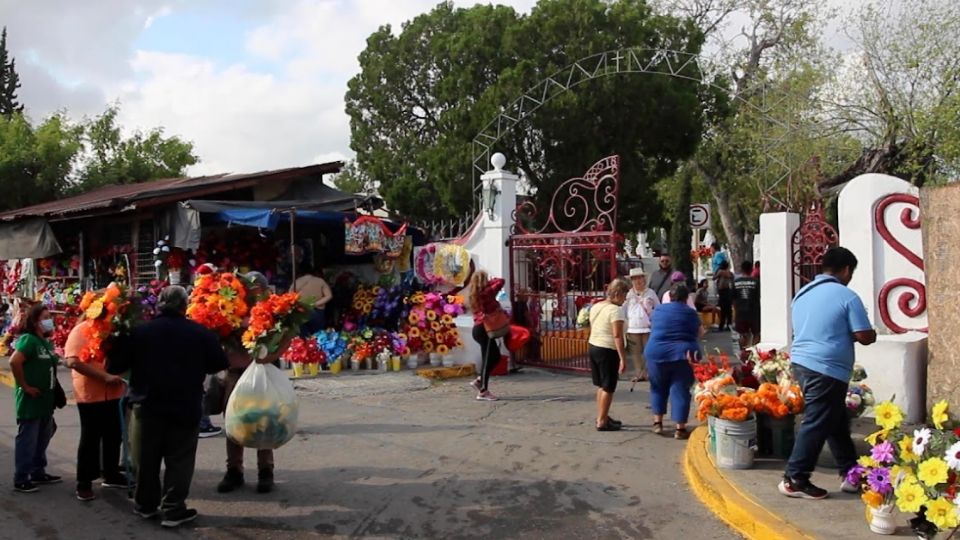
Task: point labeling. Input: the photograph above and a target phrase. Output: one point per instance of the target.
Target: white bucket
(736, 443)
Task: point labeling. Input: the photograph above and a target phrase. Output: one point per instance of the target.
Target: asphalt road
(394, 456)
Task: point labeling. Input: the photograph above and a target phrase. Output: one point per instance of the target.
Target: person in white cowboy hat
(641, 301)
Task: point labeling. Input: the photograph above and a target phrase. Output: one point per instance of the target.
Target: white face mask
(46, 325)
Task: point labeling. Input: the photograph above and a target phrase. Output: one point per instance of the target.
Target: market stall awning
(263, 218)
(30, 239)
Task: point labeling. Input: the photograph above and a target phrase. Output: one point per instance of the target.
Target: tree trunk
(737, 239)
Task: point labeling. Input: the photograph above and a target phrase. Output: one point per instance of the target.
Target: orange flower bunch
(271, 320)
(219, 302)
(103, 311)
(777, 401)
(720, 397)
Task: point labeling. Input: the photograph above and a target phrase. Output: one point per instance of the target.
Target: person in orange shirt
(98, 396)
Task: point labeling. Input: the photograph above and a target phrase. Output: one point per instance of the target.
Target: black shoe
(46, 479)
(116, 482)
(176, 518)
(265, 481)
(146, 513)
(25, 487)
(231, 481)
(609, 426)
(208, 432)
(612, 421)
(801, 489)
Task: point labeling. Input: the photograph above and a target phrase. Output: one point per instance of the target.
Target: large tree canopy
(422, 96)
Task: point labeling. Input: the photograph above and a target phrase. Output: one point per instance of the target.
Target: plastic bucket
(736, 442)
(775, 436)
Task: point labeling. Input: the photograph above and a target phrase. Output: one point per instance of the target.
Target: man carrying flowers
(240, 359)
(827, 319)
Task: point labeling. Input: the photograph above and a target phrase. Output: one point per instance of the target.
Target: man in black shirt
(660, 281)
(168, 359)
(746, 303)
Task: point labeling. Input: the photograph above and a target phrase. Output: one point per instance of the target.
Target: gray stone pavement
(396, 456)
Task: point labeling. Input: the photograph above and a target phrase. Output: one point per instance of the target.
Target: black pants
(100, 438)
(173, 444)
(726, 308)
(825, 419)
(491, 355)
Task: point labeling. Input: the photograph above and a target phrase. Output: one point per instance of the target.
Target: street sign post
(699, 216)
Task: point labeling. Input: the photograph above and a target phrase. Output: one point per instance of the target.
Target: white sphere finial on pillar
(498, 160)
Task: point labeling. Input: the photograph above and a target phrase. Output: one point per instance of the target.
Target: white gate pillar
(776, 277)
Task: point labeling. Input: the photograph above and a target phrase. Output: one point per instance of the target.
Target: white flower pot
(882, 521)
(448, 361)
(412, 362)
(436, 360)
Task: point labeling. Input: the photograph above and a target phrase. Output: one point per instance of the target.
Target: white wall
(775, 244)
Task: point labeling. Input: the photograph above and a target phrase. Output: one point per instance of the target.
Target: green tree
(9, 80)
(35, 162)
(112, 159)
(352, 180)
(901, 96)
(422, 96)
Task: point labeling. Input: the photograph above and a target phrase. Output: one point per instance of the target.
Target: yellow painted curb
(7, 378)
(729, 503)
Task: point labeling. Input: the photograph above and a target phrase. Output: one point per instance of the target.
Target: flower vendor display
(430, 326)
(721, 397)
(913, 470)
(333, 344)
(859, 395)
(272, 320)
(220, 302)
(304, 352)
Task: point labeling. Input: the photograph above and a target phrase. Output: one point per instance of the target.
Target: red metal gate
(563, 262)
(811, 241)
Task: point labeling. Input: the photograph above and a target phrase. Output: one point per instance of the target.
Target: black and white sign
(700, 216)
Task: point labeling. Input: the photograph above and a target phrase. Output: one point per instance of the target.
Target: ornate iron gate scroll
(562, 261)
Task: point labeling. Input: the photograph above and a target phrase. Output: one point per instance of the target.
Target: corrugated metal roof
(143, 194)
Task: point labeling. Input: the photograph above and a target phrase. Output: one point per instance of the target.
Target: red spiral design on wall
(910, 218)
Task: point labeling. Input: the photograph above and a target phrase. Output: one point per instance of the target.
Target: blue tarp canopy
(269, 218)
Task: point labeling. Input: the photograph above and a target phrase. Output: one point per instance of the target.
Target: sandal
(609, 426)
(681, 434)
(658, 428)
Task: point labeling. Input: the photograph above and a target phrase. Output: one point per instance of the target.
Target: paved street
(396, 456)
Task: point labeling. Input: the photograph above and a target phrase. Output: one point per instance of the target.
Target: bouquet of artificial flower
(304, 351)
(110, 314)
(772, 367)
(777, 401)
(220, 302)
(272, 320)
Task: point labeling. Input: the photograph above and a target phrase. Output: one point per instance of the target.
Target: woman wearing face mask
(34, 367)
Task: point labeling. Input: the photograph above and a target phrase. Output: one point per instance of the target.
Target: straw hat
(637, 272)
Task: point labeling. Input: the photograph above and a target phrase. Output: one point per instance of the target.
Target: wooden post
(293, 251)
(82, 272)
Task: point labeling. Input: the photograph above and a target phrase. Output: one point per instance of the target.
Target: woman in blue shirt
(675, 335)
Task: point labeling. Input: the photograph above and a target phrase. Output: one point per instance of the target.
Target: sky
(254, 84)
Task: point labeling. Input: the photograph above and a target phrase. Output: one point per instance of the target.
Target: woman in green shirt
(34, 367)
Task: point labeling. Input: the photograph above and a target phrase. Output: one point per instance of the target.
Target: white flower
(853, 401)
(953, 458)
(156, 251)
(158, 264)
(161, 243)
(193, 262)
(166, 249)
(167, 238)
(921, 438)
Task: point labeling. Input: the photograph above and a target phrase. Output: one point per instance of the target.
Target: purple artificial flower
(879, 480)
(883, 452)
(855, 474)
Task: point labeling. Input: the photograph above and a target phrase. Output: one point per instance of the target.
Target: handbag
(213, 401)
(59, 396)
(497, 324)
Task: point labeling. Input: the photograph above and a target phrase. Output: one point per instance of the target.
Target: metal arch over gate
(812, 239)
(640, 60)
(562, 261)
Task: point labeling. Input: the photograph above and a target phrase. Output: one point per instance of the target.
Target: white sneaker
(486, 396)
(847, 487)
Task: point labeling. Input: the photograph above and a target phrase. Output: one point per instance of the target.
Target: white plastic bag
(262, 410)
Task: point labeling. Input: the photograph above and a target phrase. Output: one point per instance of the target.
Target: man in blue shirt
(827, 319)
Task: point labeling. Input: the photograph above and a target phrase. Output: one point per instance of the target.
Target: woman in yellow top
(608, 352)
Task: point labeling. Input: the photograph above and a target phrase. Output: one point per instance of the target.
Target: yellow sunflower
(940, 414)
(442, 349)
(933, 471)
(889, 416)
(910, 497)
(428, 346)
(942, 513)
(435, 326)
(906, 450)
(431, 315)
(447, 319)
(413, 318)
(414, 332)
(95, 310)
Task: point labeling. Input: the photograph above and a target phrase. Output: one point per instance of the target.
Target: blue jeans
(825, 419)
(30, 452)
(205, 422)
(317, 322)
(671, 380)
